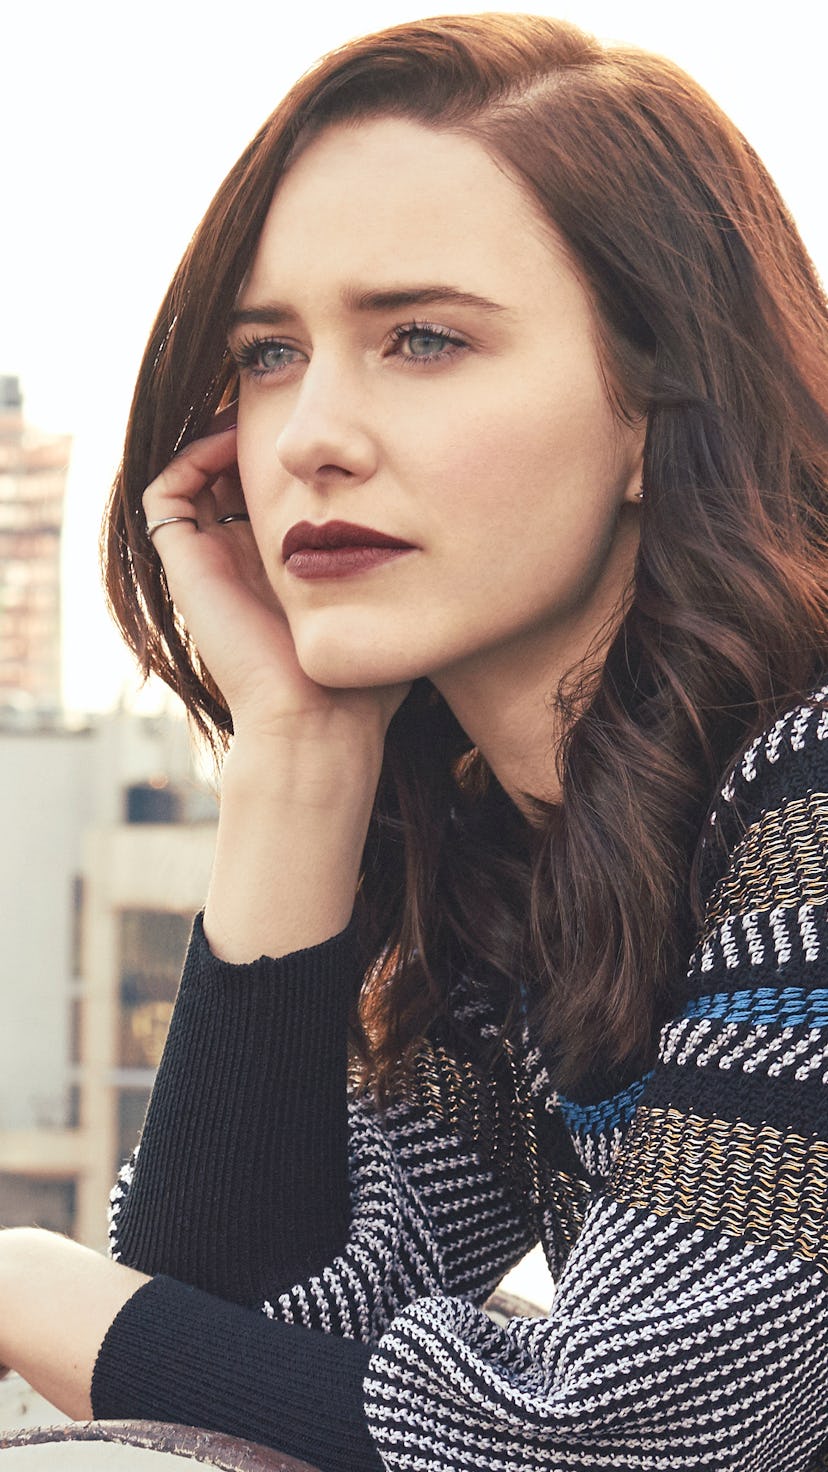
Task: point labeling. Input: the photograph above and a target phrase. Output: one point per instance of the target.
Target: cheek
(251, 445)
(530, 499)
(515, 460)
(260, 470)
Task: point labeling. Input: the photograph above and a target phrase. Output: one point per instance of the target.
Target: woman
(498, 540)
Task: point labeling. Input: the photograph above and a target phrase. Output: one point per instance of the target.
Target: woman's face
(418, 360)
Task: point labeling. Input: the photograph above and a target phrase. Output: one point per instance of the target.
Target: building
(33, 471)
(113, 838)
(143, 882)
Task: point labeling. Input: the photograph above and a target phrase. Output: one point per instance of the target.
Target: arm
(245, 1141)
(179, 1353)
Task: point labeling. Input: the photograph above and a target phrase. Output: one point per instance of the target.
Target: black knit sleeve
(176, 1354)
(241, 1178)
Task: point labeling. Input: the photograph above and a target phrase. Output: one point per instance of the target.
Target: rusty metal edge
(212, 1448)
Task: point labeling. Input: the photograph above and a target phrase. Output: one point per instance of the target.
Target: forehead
(390, 199)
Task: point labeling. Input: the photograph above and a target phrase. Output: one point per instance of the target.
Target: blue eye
(423, 344)
(260, 356)
(275, 355)
(420, 342)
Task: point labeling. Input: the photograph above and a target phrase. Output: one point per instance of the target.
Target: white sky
(119, 121)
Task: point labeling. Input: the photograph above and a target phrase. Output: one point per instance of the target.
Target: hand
(219, 586)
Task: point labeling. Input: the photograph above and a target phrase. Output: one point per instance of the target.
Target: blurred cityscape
(109, 836)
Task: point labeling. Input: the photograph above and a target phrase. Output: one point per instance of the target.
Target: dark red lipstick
(338, 549)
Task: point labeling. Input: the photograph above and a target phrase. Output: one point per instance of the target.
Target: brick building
(33, 469)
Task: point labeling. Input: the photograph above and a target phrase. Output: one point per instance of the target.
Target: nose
(326, 437)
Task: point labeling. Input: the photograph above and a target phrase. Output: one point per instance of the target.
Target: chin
(343, 667)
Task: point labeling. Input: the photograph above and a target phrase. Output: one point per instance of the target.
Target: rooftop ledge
(43, 1153)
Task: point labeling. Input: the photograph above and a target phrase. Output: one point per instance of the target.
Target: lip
(334, 536)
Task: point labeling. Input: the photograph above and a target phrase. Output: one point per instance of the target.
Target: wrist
(315, 769)
(293, 821)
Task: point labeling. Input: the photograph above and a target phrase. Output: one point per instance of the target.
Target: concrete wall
(46, 797)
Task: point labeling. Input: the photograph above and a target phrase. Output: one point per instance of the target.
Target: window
(26, 1202)
(153, 945)
(132, 1106)
(76, 913)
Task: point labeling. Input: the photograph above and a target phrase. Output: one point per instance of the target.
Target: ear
(634, 488)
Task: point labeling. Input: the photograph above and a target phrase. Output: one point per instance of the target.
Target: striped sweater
(320, 1271)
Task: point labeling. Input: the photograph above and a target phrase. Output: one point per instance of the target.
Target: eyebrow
(391, 299)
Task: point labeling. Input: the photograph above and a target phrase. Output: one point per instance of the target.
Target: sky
(119, 122)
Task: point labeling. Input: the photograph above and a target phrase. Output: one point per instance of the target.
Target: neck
(507, 710)
(505, 700)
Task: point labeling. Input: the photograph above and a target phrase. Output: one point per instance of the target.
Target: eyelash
(247, 350)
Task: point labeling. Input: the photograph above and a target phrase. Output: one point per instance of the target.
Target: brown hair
(713, 323)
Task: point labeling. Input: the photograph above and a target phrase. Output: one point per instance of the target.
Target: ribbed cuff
(177, 1354)
(241, 1184)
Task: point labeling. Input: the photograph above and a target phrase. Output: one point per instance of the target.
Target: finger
(175, 491)
(228, 494)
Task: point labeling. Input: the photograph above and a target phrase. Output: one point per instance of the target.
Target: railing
(132, 1446)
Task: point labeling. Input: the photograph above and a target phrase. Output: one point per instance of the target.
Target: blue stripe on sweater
(791, 1006)
(607, 1114)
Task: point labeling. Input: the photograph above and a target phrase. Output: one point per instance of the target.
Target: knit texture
(685, 1215)
(214, 1176)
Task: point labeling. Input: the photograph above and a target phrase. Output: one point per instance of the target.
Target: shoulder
(761, 958)
(750, 1043)
(769, 822)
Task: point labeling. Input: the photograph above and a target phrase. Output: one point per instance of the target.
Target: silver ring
(234, 516)
(152, 526)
